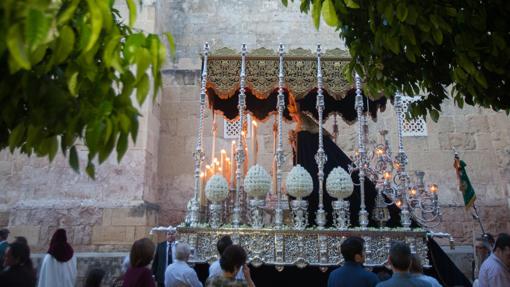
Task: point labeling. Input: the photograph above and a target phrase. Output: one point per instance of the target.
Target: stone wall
(122, 203)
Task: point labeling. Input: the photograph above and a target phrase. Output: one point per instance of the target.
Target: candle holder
(300, 213)
(256, 212)
(341, 214)
(279, 155)
(215, 214)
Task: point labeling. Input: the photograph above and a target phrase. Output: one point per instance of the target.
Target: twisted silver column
(363, 214)
(193, 211)
(320, 156)
(405, 217)
(240, 156)
(280, 157)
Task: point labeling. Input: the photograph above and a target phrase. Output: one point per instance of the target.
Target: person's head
(17, 254)
(182, 251)
(170, 235)
(4, 233)
(141, 252)
(223, 243)
(232, 259)
(352, 249)
(502, 248)
(94, 277)
(21, 240)
(416, 266)
(400, 256)
(60, 249)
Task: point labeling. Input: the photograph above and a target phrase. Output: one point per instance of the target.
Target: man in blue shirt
(400, 260)
(352, 272)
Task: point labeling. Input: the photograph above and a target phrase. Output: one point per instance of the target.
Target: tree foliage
(68, 69)
(425, 46)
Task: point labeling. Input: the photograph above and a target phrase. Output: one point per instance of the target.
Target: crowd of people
(170, 266)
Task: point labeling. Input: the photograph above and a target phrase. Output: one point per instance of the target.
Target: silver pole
(280, 157)
(240, 156)
(405, 216)
(320, 157)
(363, 214)
(198, 155)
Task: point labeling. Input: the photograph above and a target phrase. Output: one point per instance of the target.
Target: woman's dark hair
(400, 256)
(223, 243)
(350, 247)
(233, 257)
(94, 277)
(141, 253)
(502, 241)
(21, 239)
(416, 266)
(21, 253)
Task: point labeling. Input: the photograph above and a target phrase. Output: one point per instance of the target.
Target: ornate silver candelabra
(280, 156)
(320, 157)
(193, 208)
(360, 161)
(240, 156)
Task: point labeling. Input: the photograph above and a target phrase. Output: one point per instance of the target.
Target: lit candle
(226, 171)
(223, 156)
(207, 172)
(232, 164)
(254, 146)
(213, 148)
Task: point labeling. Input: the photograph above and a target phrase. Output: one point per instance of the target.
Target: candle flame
(398, 203)
(220, 169)
(223, 151)
(433, 188)
(208, 167)
(254, 122)
(202, 174)
(233, 142)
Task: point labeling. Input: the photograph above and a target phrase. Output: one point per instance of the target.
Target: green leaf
(36, 28)
(351, 4)
(52, 147)
(16, 136)
(73, 159)
(122, 145)
(285, 3)
(402, 12)
(133, 43)
(72, 79)
(124, 122)
(96, 24)
(388, 13)
(480, 78)
(143, 60)
(17, 48)
(134, 128)
(132, 12)
(316, 13)
(91, 170)
(171, 44)
(108, 130)
(329, 13)
(434, 115)
(68, 13)
(107, 15)
(65, 45)
(142, 88)
(438, 36)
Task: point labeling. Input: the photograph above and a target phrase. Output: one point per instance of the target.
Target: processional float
(288, 238)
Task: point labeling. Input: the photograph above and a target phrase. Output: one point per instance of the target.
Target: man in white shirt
(495, 270)
(165, 255)
(215, 268)
(179, 274)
